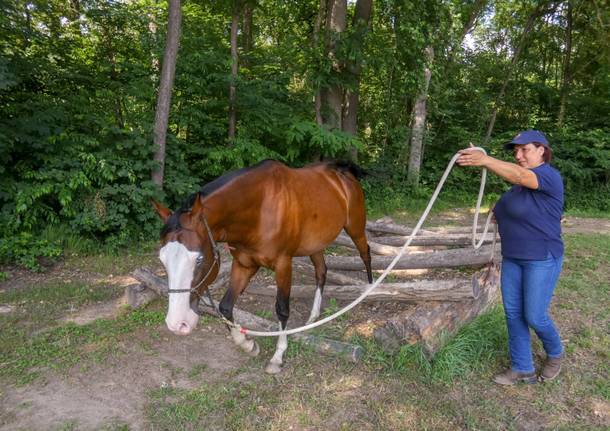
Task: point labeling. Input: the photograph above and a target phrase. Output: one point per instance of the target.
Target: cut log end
(432, 323)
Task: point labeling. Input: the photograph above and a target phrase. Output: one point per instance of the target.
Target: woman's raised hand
(471, 157)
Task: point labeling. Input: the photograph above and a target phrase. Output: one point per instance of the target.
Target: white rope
(398, 256)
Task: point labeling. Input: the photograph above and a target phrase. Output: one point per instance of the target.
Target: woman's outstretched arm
(511, 172)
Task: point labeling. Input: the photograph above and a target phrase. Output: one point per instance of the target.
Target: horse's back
(322, 199)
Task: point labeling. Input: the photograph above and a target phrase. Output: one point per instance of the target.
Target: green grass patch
(57, 295)
(221, 406)
(39, 307)
(63, 347)
(265, 314)
(476, 347)
(112, 263)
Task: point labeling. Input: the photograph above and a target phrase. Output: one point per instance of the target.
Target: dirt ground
(116, 391)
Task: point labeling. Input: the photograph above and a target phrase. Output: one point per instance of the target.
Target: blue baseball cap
(526, 137)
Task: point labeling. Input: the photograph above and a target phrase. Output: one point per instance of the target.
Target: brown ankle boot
(551, 369)
(510, 377)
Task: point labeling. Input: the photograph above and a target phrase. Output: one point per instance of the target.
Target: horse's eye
(199, 260)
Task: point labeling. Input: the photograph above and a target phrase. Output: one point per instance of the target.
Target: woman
(528, 217)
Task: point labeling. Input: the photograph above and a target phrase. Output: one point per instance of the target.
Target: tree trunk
(316, 41)
(538, 12)
(234, 65)
(360, 25)
(332, 96)
(164, 97)
(247, 38)
(567, 76)
(419, 123)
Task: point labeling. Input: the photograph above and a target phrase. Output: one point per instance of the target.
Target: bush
(26, 250)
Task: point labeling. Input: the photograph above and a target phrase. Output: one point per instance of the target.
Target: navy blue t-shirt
(529, 220)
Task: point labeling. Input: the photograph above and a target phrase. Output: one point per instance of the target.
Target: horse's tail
(345, 166)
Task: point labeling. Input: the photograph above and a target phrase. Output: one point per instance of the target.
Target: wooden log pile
(443, 304)
(430, 323)
(152, 286)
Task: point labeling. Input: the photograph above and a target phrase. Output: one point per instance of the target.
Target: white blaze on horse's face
(180, 266)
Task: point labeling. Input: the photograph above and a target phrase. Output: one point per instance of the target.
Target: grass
(225, 406)
(384, 391)
(26, 357)
(32, 337)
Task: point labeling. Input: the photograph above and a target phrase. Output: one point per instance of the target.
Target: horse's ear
(197, 207)
(163, 212)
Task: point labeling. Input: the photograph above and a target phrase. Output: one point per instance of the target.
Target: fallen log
(319, 344)
(391, 228)
(432, 323)
(412, 291)
(138, 295)
(435, 259)
(432, 240)
(459, 229)
(304, 266)
(397, 229)
(381, 249)
(391, 245)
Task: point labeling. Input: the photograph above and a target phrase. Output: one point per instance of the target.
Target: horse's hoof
(273, 368)
(255, 350)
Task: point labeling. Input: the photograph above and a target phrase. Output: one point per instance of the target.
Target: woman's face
(528, 155)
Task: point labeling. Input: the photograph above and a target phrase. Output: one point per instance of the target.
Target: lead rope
(396, 258)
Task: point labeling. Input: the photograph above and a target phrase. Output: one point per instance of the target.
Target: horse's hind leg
(283, 278)
(357, 233)
(320, 269)
(240, 276)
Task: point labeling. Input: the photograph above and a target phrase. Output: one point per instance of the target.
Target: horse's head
(190, 260)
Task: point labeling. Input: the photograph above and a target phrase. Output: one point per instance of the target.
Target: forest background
(398, 86)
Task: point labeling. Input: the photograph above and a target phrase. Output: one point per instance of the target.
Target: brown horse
(267, 214)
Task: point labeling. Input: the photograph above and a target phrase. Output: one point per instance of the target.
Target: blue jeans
(527, 288)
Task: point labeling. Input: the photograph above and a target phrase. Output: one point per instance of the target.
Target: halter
(216, 262)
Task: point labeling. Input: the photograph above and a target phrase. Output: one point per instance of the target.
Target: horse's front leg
(283, 278)
(240, 276)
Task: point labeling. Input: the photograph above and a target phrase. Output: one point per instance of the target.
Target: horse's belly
(314, 243)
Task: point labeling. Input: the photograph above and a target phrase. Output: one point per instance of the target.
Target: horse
(267, 214)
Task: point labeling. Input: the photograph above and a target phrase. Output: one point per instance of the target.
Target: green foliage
(25, 249)
(78, 89)
(583, 157)
(306, 138)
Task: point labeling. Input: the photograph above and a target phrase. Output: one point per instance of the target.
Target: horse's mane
(214, 185)
(347, 166)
